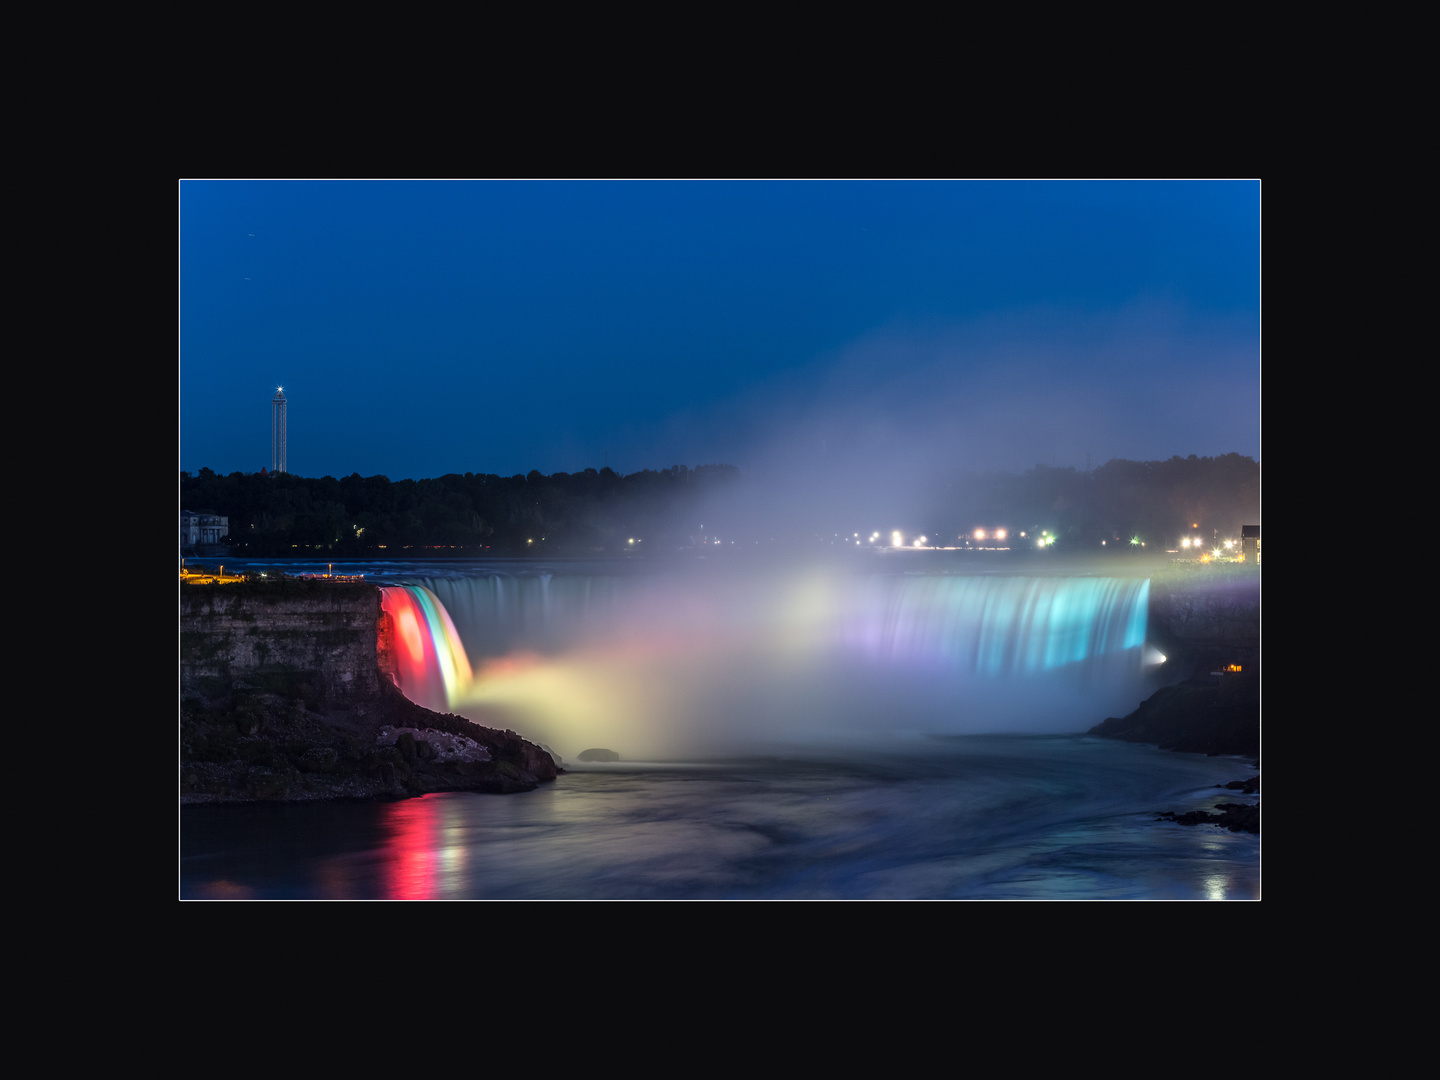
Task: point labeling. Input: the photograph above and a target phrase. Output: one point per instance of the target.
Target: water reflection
(1020, 817)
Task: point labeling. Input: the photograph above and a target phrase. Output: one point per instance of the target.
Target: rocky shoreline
(1210, 714)
(1237, 817)
(267, 747)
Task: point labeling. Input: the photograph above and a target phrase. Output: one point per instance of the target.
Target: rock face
(1206, 619)
(598, 754)
(309, 640)
(1207, 616)
(283, 698)
(1207, 715)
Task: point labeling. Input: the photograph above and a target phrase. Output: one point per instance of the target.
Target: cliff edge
(1210, 714)
(282, 698)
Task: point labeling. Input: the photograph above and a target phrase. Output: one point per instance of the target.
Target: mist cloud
(877, 426)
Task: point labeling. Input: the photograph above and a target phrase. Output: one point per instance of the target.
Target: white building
(197, 530)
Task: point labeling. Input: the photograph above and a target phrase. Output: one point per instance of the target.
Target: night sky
(857, 329)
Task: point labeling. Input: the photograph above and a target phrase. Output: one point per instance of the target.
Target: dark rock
(405, 743)
(1205, 617)
(1204, 715)
(1237, 817)
(598, 754)
(319, 759)
(282, 699)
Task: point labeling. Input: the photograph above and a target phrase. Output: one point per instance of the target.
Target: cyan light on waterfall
(665, 667)
(996, 626)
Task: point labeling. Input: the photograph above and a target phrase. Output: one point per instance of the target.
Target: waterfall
(996, 626)
(432, 667)
(669, 663)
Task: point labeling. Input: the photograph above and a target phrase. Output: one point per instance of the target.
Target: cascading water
(993, 626)
(431, 665)
(668, 665)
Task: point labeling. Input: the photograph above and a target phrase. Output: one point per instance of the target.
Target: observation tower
(277, 431)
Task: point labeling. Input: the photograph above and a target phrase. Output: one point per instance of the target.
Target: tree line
(601, 512)
(1155, 501)
(580, 513)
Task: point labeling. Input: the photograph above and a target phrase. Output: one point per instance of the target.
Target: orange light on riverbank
(202, 576)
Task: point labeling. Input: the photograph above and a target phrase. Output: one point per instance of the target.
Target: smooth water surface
(986, 817)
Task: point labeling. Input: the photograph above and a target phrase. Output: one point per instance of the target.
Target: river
(904, 736)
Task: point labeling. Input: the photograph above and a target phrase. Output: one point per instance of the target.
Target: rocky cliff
(1205, 619)
(1206, 616)
(307, 640)
(1207, 714)
(283, 696)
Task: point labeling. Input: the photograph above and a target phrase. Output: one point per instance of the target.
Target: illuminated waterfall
(994, 626)
(667, 664)
(431, 666)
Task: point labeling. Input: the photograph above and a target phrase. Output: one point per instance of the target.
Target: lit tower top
(277, 431)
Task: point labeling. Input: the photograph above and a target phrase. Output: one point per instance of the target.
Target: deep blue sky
(427, 328)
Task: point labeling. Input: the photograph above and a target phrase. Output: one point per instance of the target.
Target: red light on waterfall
(417, 672)
(410, 634)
